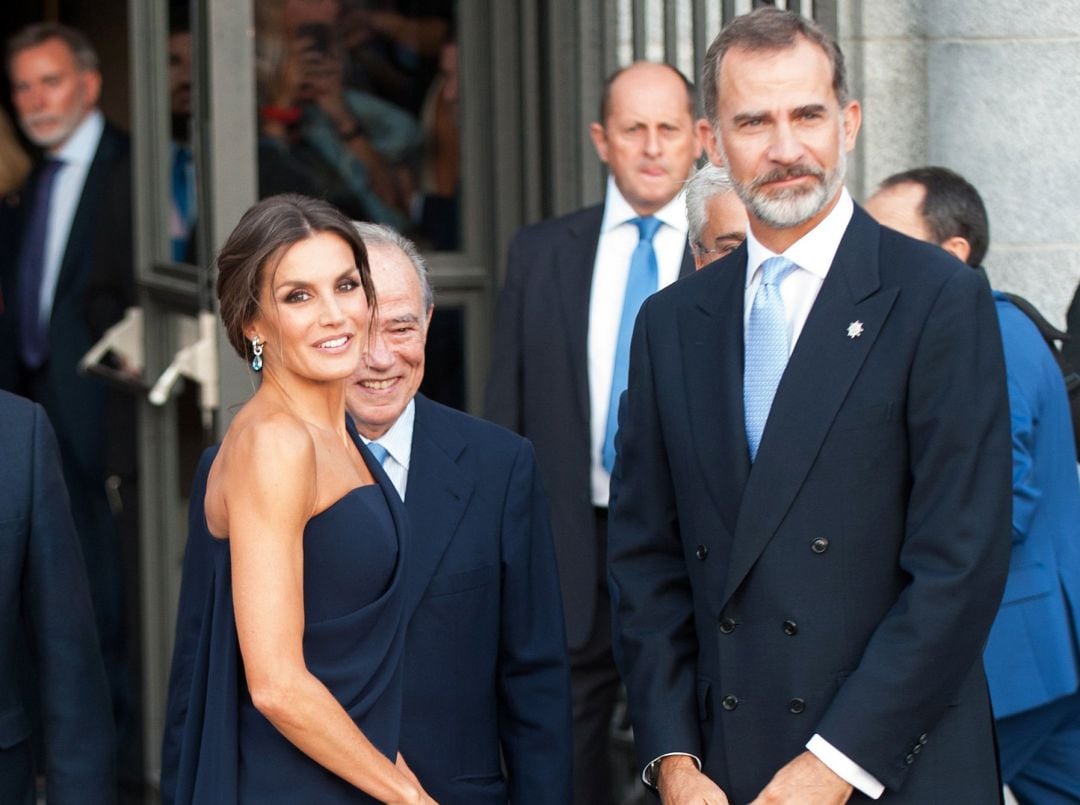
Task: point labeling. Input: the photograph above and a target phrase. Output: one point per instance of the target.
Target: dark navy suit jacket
(538, 386)
(845, 584)
(1031, 656)
(45, 606)
(486, 671)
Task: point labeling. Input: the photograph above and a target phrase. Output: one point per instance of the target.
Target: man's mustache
(780, 174)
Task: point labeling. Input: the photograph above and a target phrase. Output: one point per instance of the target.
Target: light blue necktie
(766, 349)
(643, 281)
(379, 452)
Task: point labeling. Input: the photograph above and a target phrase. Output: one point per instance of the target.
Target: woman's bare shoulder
(267, 464)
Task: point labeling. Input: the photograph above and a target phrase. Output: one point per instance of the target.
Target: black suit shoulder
(578, 221)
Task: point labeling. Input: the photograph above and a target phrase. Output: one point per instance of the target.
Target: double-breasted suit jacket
(539, 387)
(487, 681)
(845, 584)
(47, 632)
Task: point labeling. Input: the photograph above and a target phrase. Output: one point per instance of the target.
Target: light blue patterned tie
(379, 452)
(766, 349)
(643, 280)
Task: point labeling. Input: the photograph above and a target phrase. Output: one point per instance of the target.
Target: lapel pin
(854, 330)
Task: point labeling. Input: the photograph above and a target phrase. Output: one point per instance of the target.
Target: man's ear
(958, 247)
(599, 140)
(707, 138)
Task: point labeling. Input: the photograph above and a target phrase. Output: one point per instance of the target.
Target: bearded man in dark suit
(810, 519)
(65, 277)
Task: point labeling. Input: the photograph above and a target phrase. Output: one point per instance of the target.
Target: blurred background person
(66, 276)
(14, 161)
(574, 284)
(1032, 656)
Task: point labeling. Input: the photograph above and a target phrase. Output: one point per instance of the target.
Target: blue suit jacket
(486, 672)
(44, 598)
(1031, 656)
(845, 583)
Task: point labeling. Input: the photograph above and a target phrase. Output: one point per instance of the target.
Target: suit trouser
(595, 684)
(1040, 752)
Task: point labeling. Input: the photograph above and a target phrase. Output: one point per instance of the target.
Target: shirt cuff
(845, 767)
(649, 773)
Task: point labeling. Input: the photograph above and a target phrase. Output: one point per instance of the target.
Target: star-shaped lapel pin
(854, 330)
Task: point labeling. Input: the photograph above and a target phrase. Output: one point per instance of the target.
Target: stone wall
(991, 89)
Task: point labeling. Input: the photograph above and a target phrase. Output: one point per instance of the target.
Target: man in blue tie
(810, 502)
(487, 683)
(65, 277)
(560, 354)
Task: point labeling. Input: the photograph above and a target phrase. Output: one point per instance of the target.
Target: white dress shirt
(618, 239)
(76, 154)
(398, 444)
(813, 253)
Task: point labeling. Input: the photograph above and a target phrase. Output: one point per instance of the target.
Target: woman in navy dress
(294, 599)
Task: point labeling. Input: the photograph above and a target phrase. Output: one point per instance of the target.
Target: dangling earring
(256, 351)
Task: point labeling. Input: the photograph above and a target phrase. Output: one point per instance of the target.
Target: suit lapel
(818, 377)
(711, 336)
(686, 268)
(438, 491)
(573, 276)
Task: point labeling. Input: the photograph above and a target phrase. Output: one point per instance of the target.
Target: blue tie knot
(647, 227)
(378, 451)
(775, 269)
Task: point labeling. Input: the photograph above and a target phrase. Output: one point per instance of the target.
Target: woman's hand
(422, 797)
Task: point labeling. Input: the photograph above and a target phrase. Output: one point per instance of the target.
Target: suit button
(791, 628)
(916, 749)
(922, 739)
(796, 706)
(729, 702)
(909, 759)
(727, 626)
(819, 545)
(702, 551)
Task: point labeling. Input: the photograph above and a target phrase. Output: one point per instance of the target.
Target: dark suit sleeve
(656, 641)
(75, 705)
(534, 673)
(503, 397)
(956, 545)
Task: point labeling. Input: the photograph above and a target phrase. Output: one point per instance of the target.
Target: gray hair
(375, 235)
(41, 32)
(707, 181)
(767, 29)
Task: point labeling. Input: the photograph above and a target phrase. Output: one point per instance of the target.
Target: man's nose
(377, 354)
(785, 146)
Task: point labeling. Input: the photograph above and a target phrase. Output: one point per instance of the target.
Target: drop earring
(256, 351)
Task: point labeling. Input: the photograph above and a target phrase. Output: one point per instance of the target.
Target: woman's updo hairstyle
(257, 244)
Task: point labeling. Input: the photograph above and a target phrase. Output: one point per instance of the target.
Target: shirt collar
(83, 142)
(815, 250)
(617, 210)
(398, 440)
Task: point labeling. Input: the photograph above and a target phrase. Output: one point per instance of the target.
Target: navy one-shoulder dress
(356, 608)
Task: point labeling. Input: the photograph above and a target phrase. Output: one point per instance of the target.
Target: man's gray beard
(794, 206)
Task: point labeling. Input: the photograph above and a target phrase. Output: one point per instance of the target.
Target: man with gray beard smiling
(809, 526)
